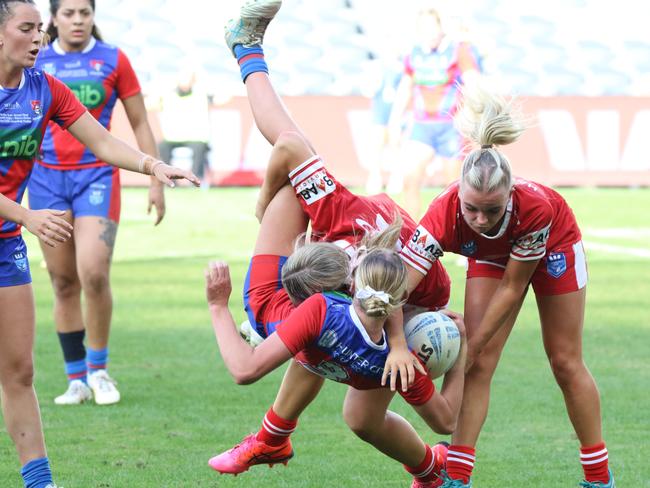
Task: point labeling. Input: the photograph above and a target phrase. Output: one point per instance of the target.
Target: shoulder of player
(530, 197)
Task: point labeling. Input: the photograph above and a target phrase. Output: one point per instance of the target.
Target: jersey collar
(364, 333)
(59, 50)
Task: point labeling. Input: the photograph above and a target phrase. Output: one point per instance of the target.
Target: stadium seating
(328, 46)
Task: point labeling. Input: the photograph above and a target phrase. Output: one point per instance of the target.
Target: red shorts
(562, 270)
(265, 301)
(339, 216)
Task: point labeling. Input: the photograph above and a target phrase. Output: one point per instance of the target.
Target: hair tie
(368, 292)
(487, 146)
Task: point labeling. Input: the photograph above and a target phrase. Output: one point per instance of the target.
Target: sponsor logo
(328, 339)
(19, 144)
(556, 264)
(7, 107)
(425, 244)
(96, 64)
(468, 248)
(316, 187)
(36, 107)
(329, 370)
(49, 68)
(96, 196)
(91, 95)
(21, 261)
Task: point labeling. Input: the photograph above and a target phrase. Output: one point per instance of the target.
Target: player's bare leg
(562, 318)
(19, 404)
(289, 152)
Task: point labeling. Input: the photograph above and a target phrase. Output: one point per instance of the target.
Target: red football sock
(460, 462)
(275, 430)
(425, 471)
(594, 460)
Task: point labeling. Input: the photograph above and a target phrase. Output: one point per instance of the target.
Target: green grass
(180, 406)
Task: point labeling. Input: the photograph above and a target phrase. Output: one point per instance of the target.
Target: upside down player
(336, 215)
(29, 99)
(335, 337)
(514, 233)
(70, 177)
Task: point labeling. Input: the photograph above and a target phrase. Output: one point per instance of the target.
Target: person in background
(185, 121)
(434, 70)
(68, 176)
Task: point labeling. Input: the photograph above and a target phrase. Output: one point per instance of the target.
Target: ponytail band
(487, 146)
(368, 292)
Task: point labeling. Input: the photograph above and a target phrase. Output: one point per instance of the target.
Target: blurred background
(580, 67)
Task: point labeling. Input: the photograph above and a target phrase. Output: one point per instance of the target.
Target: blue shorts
(265, 301)
(90, 192)
(441, 136)
(14, 266)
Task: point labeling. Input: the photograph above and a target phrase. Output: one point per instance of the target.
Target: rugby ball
(435, 339)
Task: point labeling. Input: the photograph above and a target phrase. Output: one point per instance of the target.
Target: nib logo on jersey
(91, 95)
(19, 144)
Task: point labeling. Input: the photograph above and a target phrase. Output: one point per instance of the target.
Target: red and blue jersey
(436, 77)
(326, 336)
(24, 114)
(98, 76)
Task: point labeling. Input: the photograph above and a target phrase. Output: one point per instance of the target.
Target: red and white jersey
(537, 218)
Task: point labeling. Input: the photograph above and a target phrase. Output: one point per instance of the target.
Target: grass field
(180, 406)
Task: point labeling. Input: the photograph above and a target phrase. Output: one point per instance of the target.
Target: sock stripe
(462, 454)
(460, 460)
(428, 469)
(593, 454)
(275, 430)
(249, 57)
(594, 461)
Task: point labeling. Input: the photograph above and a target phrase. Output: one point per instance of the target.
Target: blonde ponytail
(488, 120)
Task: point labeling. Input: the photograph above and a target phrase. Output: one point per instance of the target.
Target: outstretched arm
(117, 153)
(246, 364)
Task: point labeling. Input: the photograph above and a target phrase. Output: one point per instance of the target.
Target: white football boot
(103, 387)
(249, 334)
(77, 393)
(248, 30)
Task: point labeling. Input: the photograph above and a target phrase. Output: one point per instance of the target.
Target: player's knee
(360, 425)
(95, 283)
(294, 144)
(65, 286)
(18, 374)
(565, 368)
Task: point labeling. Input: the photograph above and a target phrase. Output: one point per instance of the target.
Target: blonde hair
(378, 267)
(488, 120)
(383, 273)
(314, 268)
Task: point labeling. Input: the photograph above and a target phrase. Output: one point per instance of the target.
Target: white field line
(618, 232)
(619, 250)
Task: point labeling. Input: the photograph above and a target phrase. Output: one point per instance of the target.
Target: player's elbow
(246, 375)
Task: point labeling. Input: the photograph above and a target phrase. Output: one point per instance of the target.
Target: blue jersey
(24, 114)
(98, 76)
(326, 335)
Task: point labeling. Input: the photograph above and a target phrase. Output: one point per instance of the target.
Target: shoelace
(589, 484)
(106, 383)
(448, 482)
